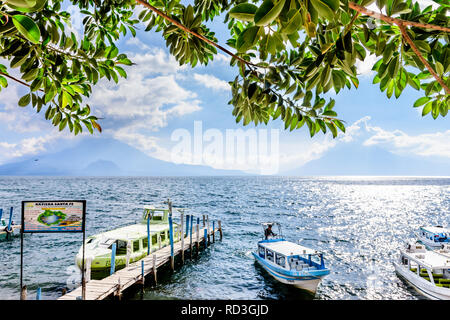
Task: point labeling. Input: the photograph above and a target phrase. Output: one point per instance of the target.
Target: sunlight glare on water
(358, 222)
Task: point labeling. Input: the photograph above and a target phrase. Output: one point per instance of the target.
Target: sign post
(53, 217)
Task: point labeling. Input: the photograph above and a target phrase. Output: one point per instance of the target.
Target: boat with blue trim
(434, 237)
(288, 262)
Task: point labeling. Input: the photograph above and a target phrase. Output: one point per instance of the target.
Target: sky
(161, 108)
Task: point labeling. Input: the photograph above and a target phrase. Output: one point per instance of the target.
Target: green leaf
(323, 9)
(421, 101)
(293, 24)
(27, 27)
(339, 124)
(244, 12)
(427, 108)
(247, 39)
(26, 5)
(3, 82)
(268, 12)
(25, 100)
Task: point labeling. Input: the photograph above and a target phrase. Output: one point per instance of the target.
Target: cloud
(426, 145)
(364, 68)
(212, 82)
(15, 118)
(33, 145)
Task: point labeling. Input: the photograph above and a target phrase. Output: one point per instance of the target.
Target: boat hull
(421, 285)
(308, 283)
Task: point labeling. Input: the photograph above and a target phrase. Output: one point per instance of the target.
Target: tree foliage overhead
(287, 53)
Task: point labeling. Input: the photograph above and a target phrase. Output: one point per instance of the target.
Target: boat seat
(435, 275)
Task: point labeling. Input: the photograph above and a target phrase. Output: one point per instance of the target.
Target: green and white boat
(131, 241)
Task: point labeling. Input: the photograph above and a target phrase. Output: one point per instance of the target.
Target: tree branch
(15, 79)
(182, 27)
(396, 21)
(424, 61)
(401, 24)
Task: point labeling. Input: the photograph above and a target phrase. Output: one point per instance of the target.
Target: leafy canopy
(287, 53)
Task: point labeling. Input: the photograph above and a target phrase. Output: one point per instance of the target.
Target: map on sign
(53, 216)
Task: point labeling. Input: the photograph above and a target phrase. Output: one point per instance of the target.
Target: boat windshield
(107, 242)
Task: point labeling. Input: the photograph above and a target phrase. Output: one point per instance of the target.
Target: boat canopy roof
(430, 259)
(287, 248)
(131, 232)
(436, 229)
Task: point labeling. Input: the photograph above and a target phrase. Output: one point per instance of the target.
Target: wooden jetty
(136, 272)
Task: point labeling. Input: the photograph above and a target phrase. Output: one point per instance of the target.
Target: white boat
(427, 271)
(434, 237)
(291, 263)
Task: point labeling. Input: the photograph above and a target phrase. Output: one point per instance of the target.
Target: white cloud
(138, 43)
(427, 145)
(364, 68)
(220, 57)
(212, 82)
(15, 118)
(32, 145)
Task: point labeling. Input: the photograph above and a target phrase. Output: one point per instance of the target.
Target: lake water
(358, 222)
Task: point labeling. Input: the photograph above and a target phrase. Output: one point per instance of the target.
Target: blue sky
(159, 97)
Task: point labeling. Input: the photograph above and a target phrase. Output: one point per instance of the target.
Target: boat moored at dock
(426, 270)
(434, 237)
(131, 241)
(290, 263)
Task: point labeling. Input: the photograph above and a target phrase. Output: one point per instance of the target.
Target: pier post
(127, 262)
(182, 237)
(205, 236)
(187, 225)
(203, 220)
(154, 269)
(8, 229)
(88, 269)
(119, 290)
(113, 258)
(142, 273)
(1, 214)
(213, 232)
(159, 241)
(198, 237)
(172, 260)
(190, 236)
(207, 226)
(148, 234)
(220, 229)
(38, 293)
(23, 293)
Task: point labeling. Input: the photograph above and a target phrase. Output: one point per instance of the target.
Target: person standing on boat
(268, 232)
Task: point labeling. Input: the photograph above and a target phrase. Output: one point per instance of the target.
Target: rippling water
(359, 222)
